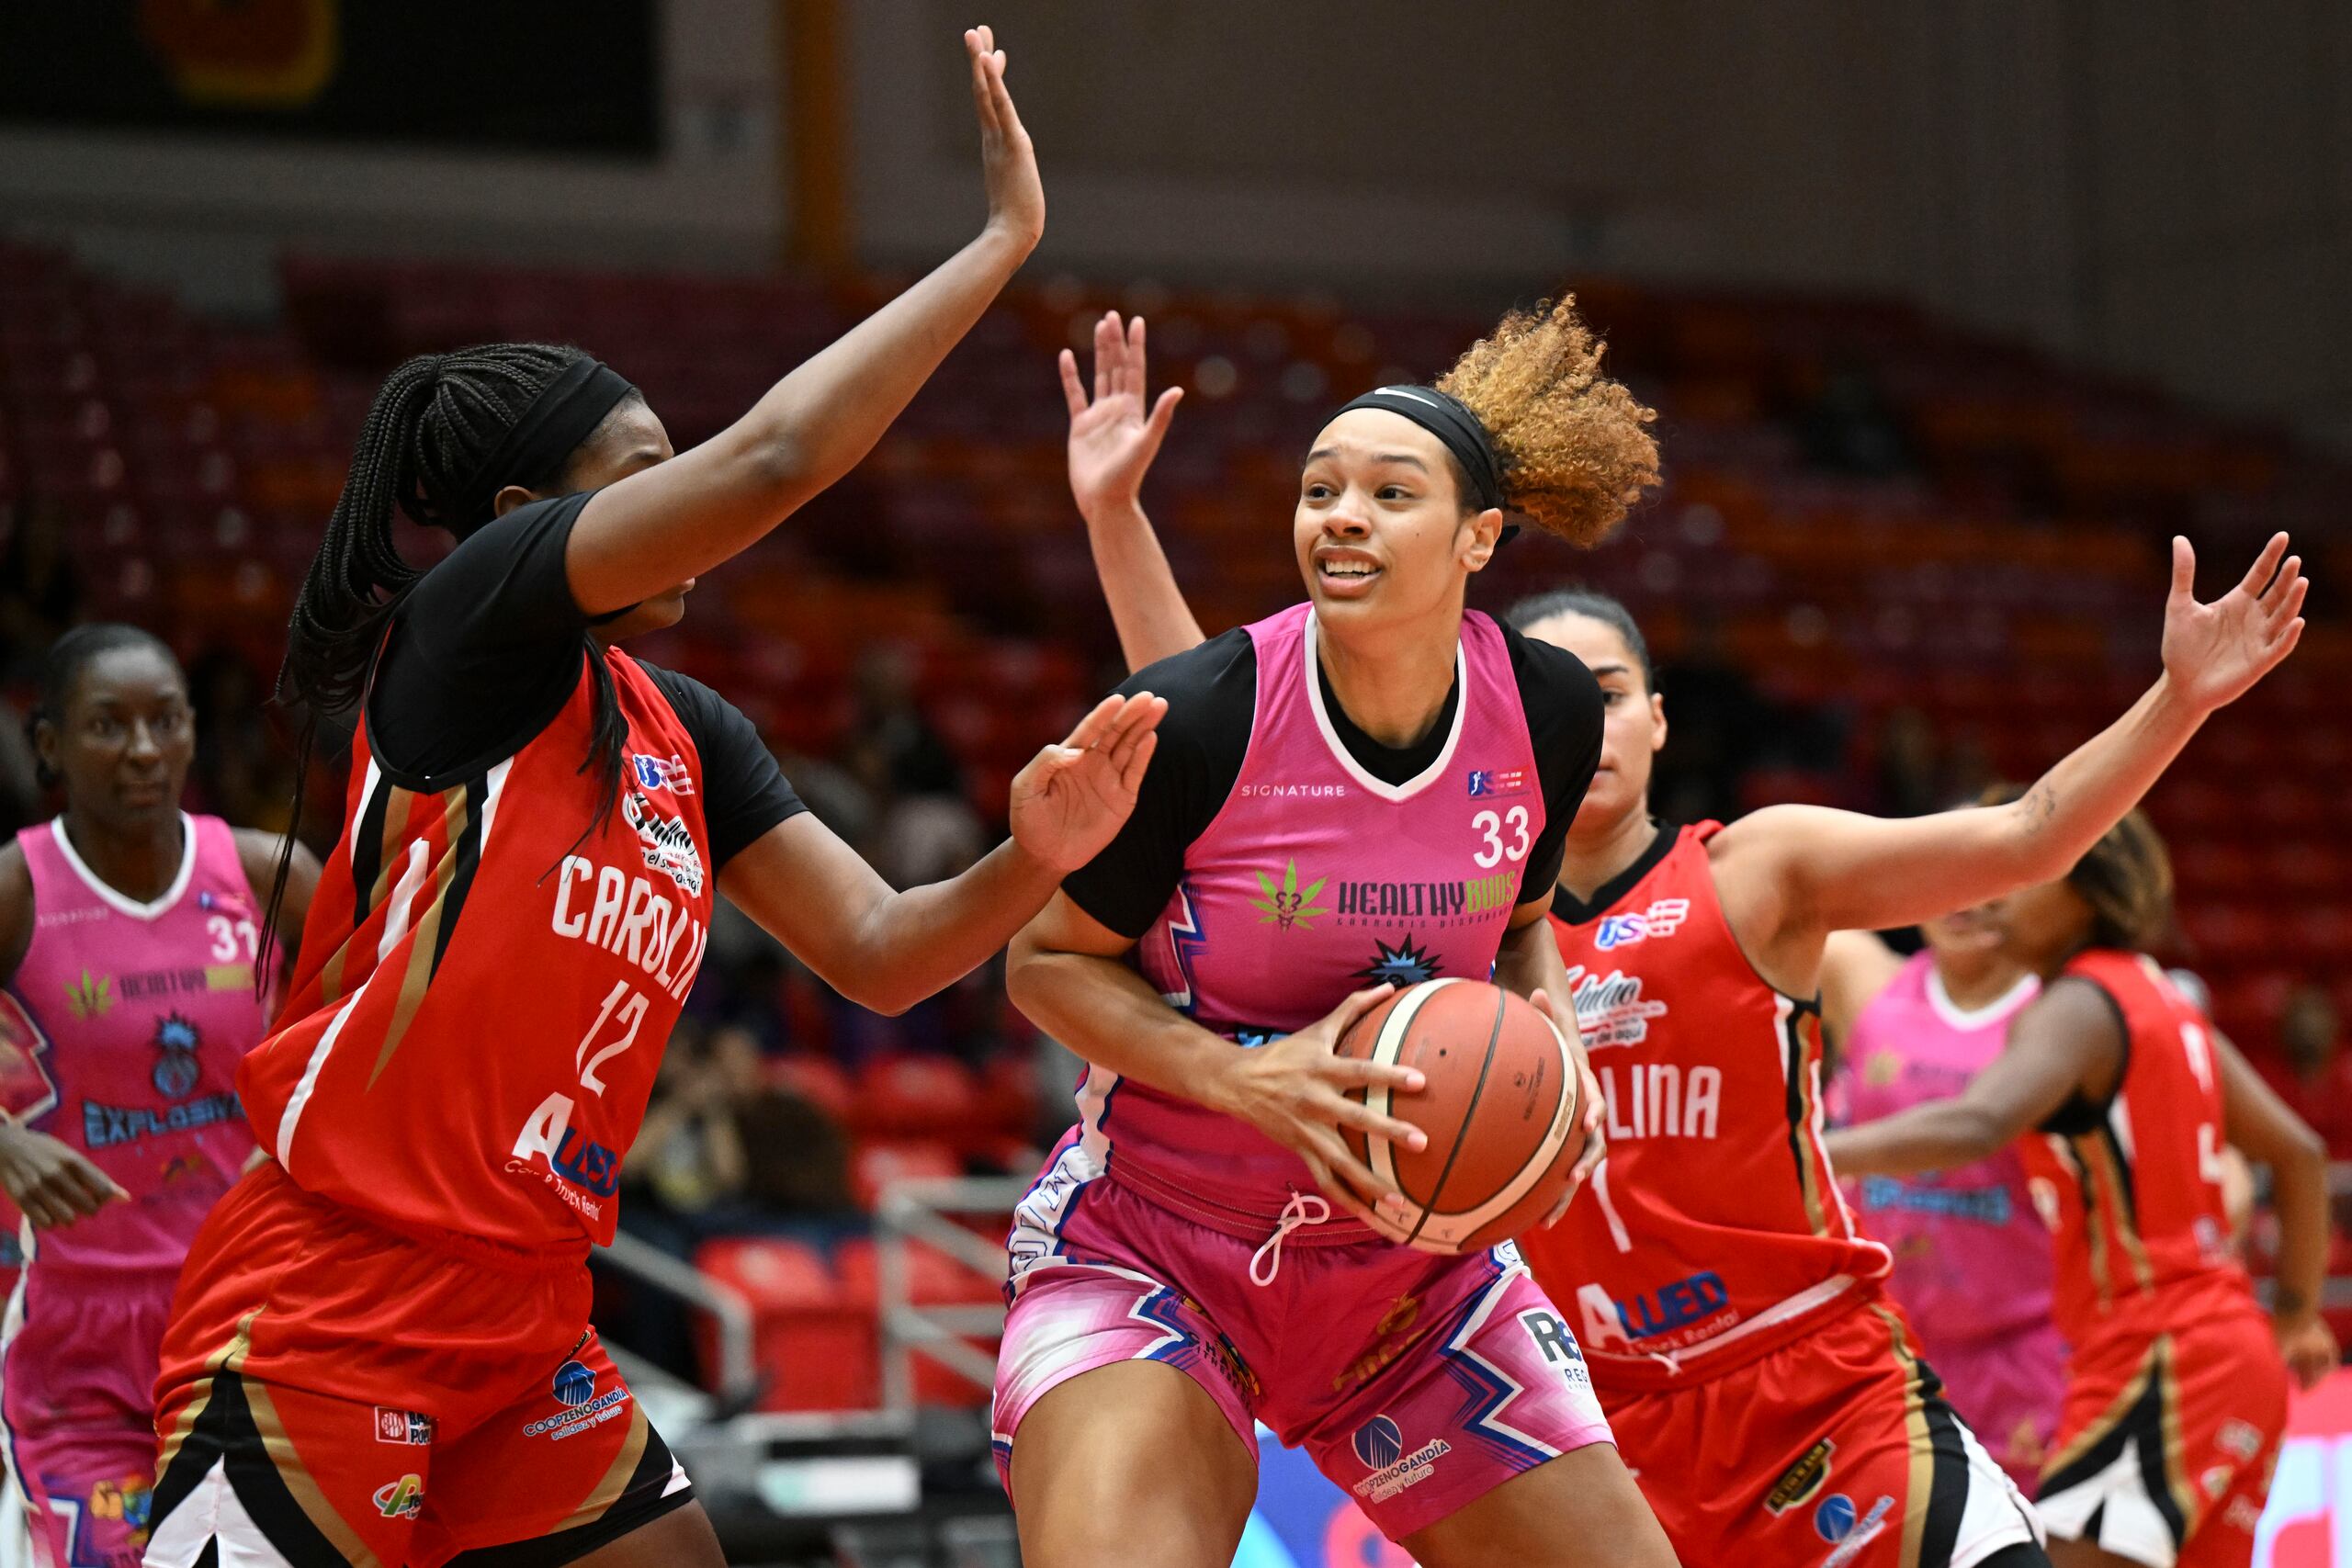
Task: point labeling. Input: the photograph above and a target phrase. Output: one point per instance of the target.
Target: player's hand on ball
(1295, 1090)
(52, 1182)
(2214, 652)
(1008, 161)
(2309, 1346)
(1114, 435)
(1073, 798)
(1595, 1113)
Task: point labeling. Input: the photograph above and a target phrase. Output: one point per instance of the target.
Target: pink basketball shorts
(1415, 1382)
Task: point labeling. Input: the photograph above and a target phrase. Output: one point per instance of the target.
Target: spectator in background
(2311, 1072)
(892, 748)
(1722, 726)
(1851, 428)
(1910, 774)
(40, 591)
(240, 770)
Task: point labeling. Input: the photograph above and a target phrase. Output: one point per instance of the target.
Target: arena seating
(1866, 510)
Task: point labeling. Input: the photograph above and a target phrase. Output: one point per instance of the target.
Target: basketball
(1500, 1107)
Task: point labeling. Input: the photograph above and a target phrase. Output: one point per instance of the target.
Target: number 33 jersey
(488, 977)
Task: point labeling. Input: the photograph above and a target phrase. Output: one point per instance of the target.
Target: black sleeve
(1564, 708)
(745, 792)
(483, 650)
(1212, 691)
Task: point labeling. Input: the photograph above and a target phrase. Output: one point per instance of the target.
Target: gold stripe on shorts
(609, 1491)
(299, 1484)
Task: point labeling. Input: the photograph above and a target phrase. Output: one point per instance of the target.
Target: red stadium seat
(915, 1096)
(875, 1165)
(813, 1340)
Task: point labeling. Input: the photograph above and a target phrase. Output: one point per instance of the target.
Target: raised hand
(1073, 798)
(1113, 438)
(2214, 652)
(1008, 161)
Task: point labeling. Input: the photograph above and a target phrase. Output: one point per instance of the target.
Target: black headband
(550, 430)
(1446, 417)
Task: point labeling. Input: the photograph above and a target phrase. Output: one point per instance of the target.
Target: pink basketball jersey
(138, 1015)
(1972, 1255)
(1315, 880)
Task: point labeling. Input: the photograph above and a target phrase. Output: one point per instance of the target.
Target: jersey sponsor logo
(1660, 1099)
(1834, 1521)
(111, 1126)
(26, 1088)
(176, 1071)
(90, 997)
(146, 985)
(1379, 1445)
(574, 1388)
(1291, 790)
(667, 842)
(580, 1161)
(1286, 905)
(1611, 1010)
(1391, 1335)
(1488, 781)
(656, 773)
(48, 920)
(1802, 1480)
(1404, 964)
(402, 1499)
(1445, 902)
(1662, 919)
(1556, 1344)
(1700, 1299)
(605, 907)
(126, 1501)
(2239, 1439)
(1981, 1205)
(402, 1427)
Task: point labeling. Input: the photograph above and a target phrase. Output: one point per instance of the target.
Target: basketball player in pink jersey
(1367, 789)
(1771, 1401)
(129, 939)
(1973, 1267)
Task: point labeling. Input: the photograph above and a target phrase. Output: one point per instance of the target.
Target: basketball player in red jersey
(380, 1352)
(1771, 1401)
(2177, 1384)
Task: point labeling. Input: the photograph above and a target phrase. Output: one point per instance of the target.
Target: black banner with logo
(547, 75)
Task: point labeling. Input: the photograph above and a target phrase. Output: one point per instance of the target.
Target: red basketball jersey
(1714, 1232)
(2134, 1190)
(484, 993)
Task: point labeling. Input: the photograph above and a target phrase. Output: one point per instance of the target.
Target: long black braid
(435, 422)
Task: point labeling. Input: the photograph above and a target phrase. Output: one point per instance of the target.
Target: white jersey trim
(1968, 1020)
(117, 900)
(1310, 668)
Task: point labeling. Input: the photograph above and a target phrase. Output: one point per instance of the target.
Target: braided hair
(437, 419)
(62, 665)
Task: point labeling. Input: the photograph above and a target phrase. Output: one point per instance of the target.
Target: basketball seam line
(1445, 1172)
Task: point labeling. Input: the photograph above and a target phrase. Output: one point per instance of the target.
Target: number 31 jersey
(487, 982)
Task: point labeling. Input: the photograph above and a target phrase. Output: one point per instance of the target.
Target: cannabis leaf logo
(1289, 904)
(93, 997)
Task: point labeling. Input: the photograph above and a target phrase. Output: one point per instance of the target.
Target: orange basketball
(1500, 1108)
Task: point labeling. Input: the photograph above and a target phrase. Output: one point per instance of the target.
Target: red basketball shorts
(1837, 1450)
(333, 1393)
(2166, 1439)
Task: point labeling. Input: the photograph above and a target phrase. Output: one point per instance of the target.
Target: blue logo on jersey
(1378, 1443)
(1488, 781)
(588, 1163)
(177, 1072)
(1405, 964)
(1673, 1306)
(657, 773)
(1833, 1517)
(575, 1385)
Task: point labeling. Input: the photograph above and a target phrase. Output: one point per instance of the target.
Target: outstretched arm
(1842, 870)
(2067, 1039)
(886, 950)
(2254, 1119)
(682, 517)
(1113, 440)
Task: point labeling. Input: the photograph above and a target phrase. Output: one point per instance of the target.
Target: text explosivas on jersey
(488, 982)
